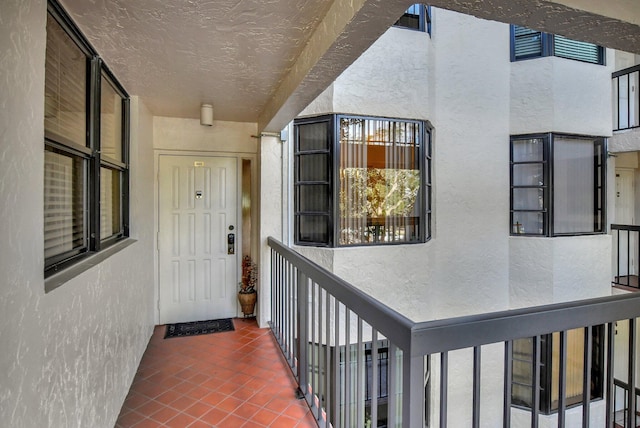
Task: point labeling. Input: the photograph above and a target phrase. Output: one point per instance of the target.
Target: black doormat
(185, 329)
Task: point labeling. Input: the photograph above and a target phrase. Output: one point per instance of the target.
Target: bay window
(361, 181)
(557, 185)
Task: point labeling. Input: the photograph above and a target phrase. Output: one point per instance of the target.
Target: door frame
(255, 248)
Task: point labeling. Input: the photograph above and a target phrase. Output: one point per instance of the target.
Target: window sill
(58, 279)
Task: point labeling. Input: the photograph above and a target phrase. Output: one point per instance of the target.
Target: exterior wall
(68, 356)
(550, 270)
(555, 94)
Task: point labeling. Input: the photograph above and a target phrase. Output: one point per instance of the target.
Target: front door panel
(197, 265)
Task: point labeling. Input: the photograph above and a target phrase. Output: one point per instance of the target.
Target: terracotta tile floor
(232, 379)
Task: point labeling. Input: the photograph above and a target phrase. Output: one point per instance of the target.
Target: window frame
(90, 153)
(548, 174)
(548, 48)
(424, 18)
(546, 404)
(333, 172)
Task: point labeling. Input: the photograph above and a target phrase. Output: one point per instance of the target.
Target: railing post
(302, 327)
(631, 380)
(412, 390)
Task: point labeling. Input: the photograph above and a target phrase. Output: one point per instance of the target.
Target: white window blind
(574, 49)
(573, 185)
(527, 42)
(65, 86)
(63, 202)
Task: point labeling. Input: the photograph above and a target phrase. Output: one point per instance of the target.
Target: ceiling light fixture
(206, 115)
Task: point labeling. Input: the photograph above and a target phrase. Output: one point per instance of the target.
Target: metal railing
(621, 400)
(626, 248)
(324, 326)
(626, 99)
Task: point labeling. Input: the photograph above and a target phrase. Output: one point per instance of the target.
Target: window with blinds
(361, 181)
(85, 172)
(65, 86)
(523, 359)
(527, 43)
(557, 185)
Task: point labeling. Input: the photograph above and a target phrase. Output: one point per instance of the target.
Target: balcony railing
(626, 248)
(626, 99)
(343, 345)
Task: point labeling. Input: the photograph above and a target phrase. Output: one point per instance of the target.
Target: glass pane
(313, 167)
(380, 181)
(527, 42)
(313, 198)
(528, 199)
(623, 101)
(64, 225)
(110, 215)
(528, 174)
(110, 122)
(313, 136)
(573, 185)
(65, 86)
(313, 229)
(530, 223)
(575, 365)
(530, 150)
(574, 49)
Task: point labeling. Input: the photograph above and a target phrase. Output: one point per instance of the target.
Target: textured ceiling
(264, 60)
(179, 54)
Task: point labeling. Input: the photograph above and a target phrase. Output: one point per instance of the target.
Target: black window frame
(548, 48)
(422, 18)
(547, 210)
(332, 213)
(90, 153)
(546, 405)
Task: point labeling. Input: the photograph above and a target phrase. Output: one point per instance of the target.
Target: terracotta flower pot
(247, 302)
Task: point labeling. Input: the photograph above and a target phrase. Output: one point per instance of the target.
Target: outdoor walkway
(233, 379)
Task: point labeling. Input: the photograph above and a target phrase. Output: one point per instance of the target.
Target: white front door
(197, 212)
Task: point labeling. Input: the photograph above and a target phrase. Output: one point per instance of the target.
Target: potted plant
(248, 294)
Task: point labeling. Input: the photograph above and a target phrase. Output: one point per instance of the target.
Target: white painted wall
(69, 356)
(555, 94)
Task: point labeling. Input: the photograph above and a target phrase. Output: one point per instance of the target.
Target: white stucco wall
(555, 94)
(68, 356)
(171, 133)
(550, 270)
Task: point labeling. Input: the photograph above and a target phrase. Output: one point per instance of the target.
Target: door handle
(231, 243)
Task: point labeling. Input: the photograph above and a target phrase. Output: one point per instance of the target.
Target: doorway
(197, 245)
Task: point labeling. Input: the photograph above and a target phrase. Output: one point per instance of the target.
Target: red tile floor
(231, 379)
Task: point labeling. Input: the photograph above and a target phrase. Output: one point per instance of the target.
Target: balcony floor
(232, 379)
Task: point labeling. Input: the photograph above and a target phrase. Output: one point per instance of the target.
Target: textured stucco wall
(549, 270)
(171, 133)
(68, 356)
(555, 94)
(625, 141)
(271, 217)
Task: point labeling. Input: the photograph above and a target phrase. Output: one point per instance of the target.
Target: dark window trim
(546, 371)
(424, 19)
(548, 49)
(96, 70)
(548, 162)
(333, 213)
